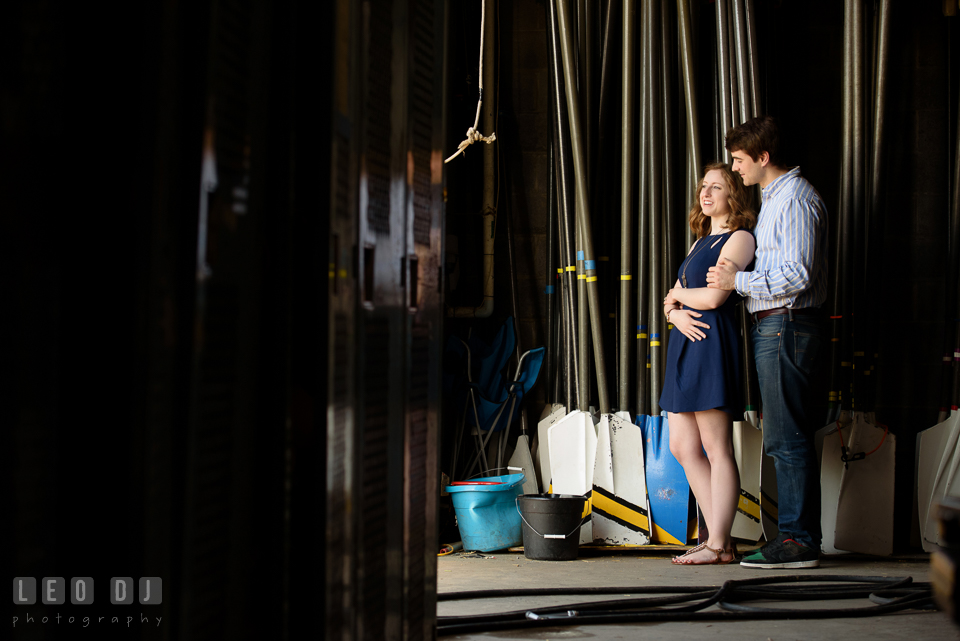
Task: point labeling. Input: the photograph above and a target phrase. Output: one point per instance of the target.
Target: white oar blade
(521, 458)
(769, 512)
(865, 504)
(748, 450)
(589, 464)
(603, 465)
(556, 413)
(938, 456)
(567, 442)
(831, 473)
(620, 504)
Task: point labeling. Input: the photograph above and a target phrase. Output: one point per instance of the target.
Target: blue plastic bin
(487, 514)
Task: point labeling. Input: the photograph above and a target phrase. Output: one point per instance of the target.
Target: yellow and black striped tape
(769, 507)
(749, 506)
(633, 517)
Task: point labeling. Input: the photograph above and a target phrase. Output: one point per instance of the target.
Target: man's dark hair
(756, 136)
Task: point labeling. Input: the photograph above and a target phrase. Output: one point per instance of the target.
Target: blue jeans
(786, 352)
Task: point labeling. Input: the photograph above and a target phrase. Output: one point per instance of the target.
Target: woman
(702, 383)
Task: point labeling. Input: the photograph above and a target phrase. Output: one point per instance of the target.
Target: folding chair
(483, 414)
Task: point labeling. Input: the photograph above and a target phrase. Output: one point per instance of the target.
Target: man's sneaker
(786, 554)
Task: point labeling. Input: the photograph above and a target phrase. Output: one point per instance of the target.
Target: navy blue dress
(705, 374)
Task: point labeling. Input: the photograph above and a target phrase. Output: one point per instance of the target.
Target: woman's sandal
(704, 546)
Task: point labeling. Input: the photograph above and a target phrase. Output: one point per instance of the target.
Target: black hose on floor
(889, 594)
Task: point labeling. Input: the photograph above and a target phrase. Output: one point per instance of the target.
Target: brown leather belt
(784, 311)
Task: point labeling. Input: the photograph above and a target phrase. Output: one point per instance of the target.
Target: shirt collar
(771, 190)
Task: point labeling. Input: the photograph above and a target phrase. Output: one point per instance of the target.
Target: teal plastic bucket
(487, 513)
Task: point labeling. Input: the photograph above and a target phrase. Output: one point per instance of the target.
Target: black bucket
(551, 526)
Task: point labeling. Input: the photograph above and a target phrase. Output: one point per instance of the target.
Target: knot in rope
(472, 136)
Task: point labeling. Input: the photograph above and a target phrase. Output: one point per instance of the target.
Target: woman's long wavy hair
(742, 215)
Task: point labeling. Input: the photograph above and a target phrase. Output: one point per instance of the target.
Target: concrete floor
(612, 567)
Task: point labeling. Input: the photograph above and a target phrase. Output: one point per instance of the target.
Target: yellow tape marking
(662, 536)
(616, 507)
(750, 507)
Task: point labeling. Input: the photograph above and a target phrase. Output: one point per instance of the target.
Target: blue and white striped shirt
(790, 268)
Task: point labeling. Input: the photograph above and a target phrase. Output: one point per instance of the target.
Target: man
(783, 293)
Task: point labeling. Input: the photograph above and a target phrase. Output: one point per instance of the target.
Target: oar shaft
(643, 272)
(744, 79)
(566, 191)
(583, 202)
(652, 72)
(690, 96)
(550, 274)
(723, 77)
(627, 212)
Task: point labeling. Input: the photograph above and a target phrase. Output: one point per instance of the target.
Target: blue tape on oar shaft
(589, 264)
(579, 255)
(549, 289)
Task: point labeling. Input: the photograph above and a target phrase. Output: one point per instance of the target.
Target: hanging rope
(472, 134)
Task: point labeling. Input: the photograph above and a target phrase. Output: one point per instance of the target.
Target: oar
(642, 399)
(748, 446)
(723, 71)
(627, 212)
(859, 315)
(655, 240)
(739, 26)
(669, 208)
(603, 190)
(690, 98)
(583, 318)
(583, 63)
(565, 196)
(566, 192)
(875, 211)
(550, 278)
(754, 67)
(575, 436)
(582, 194)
